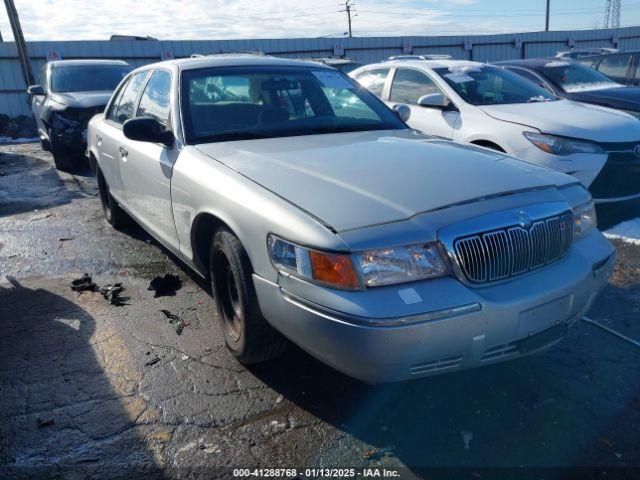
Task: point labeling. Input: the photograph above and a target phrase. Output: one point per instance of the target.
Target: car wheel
(247, 334)
(113, 213)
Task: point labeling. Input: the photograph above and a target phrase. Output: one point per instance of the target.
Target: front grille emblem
(636, 150)
(524, 220)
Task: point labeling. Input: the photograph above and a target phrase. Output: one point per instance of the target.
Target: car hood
(82, 99)
(625, 98)
(353, 180)
(570, 119)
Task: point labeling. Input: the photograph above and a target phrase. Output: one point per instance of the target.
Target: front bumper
(511, 320)
(584, 167)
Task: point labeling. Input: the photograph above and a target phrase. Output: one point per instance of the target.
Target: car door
(110, 139)
(615, 66)
(37, 101)
(146, 167)
(407, 86)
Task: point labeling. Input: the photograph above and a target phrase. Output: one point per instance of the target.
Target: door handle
(98, 138)
(123, 151)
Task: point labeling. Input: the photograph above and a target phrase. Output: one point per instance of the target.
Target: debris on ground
(153, 361)
(179, 322)
(41, 217)
(110, 292)
(45, 423)
(84, 284)
(165, 286)
(466, 438)
(65, 239)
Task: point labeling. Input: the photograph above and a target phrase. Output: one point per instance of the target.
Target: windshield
(483, 85)
(574, 77)
(239, 103)
(87, 78)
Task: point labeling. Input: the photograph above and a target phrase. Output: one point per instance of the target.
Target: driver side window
(409, 85)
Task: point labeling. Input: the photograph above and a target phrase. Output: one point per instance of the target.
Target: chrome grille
(504, 253)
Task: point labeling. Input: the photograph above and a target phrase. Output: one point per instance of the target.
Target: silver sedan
(322, 219)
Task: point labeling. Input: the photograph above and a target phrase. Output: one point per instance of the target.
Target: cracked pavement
(83, 396)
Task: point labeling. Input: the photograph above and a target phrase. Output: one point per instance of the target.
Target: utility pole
(546, 24)
(21, 46)
(347, 7)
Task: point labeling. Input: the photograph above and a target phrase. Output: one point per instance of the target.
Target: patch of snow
(587, 87)
(557, 64)
(18, 140)
(628, 231)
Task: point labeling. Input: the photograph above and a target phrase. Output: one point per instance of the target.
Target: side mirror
(402, 111)
(35, 90)
(146, 129)
(434, 100)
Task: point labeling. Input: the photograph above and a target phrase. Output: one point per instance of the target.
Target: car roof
(235, 60)
(537, 62)
(66, 63)
(428, 63)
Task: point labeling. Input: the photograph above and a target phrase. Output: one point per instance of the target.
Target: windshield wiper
(221, 137)
(345, 128)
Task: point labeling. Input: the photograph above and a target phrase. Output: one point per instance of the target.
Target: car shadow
(551, 409)
(61, 416)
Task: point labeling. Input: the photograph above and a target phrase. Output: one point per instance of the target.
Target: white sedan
(491, 107)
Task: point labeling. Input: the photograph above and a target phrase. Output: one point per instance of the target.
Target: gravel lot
(102, 391)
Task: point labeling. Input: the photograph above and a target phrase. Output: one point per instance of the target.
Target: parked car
(620, 67)
(386, 253)
(580, 53)
(345, 65)
(70, 92)
(492, 107)
(568, 79)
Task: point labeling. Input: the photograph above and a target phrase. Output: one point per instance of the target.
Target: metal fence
(483, 48)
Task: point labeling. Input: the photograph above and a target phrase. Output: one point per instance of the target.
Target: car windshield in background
(240, 103)
(480, 85)
(573, 77)
(87, 78)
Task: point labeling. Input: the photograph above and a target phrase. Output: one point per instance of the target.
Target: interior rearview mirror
(35, 90)
(434, 100)
(146, 129)
(402, 111)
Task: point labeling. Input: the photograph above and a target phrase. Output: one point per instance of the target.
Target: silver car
(321, 218)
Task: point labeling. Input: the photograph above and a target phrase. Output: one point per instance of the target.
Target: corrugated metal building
(484, 48)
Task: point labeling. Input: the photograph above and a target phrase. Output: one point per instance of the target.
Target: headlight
(378, 267)
(331, 269)
(560, 145)
(400, 264)
(584, 220)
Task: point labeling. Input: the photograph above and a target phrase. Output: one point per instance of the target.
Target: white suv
(491, 107)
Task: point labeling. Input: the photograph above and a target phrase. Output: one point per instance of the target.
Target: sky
(234, 19)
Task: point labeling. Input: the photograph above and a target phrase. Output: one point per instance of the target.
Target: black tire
(113, 213)
(247, 334)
